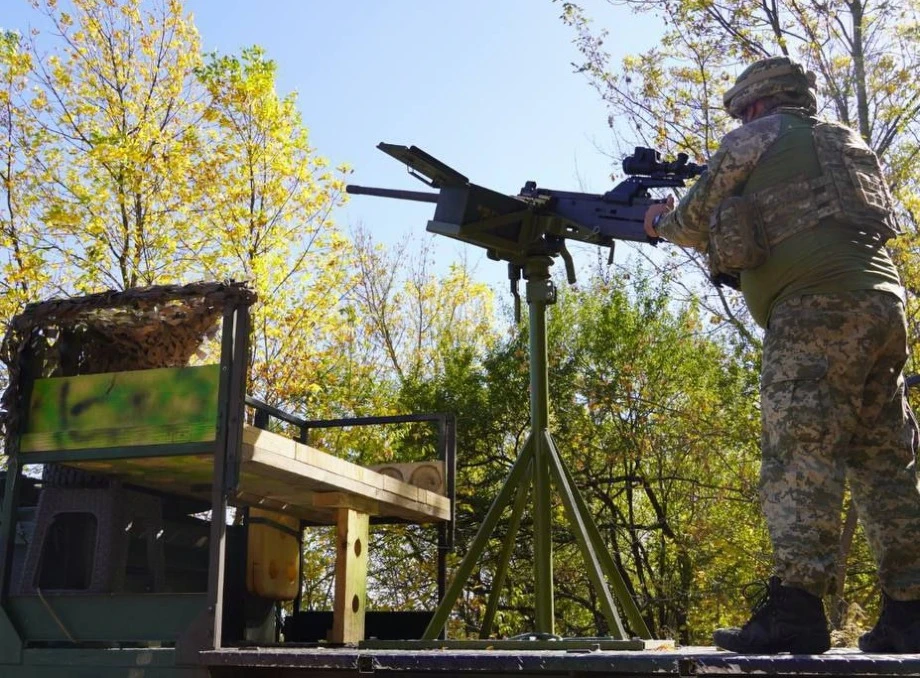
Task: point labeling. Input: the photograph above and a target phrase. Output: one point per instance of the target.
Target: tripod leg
(614, 576)
(501, 571)
(589, 551)
(521, 464)
(544, 615)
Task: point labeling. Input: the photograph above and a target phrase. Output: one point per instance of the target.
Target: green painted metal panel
(114, 459)
(108, 617)
(10, 642)
(173, 405)
(153, 662)
(93, 670)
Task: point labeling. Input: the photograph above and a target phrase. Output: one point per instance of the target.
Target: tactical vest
(850, 190)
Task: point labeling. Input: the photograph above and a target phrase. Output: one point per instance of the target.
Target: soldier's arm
(729, 169)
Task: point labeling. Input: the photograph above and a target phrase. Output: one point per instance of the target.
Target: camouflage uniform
(833, 406)
(832, 394)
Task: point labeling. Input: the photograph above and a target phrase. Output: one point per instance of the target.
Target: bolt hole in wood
(355, 603)
(357, 547)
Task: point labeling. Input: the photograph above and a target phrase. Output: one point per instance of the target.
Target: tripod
(539, 466)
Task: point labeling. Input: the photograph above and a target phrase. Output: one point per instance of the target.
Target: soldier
(796, 212)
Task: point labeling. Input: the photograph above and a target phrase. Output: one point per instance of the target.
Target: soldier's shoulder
(824, 122)
(762, 131)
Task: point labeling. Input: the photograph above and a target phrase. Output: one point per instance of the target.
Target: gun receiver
(537, 221)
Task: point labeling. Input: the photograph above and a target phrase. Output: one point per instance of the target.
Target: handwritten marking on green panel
(171, 405)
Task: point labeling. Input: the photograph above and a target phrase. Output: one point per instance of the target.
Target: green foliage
(658, 426)
(23, 264)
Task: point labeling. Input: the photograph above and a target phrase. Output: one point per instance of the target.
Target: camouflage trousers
(833, 409)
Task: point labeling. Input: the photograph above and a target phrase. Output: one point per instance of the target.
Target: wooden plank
(119, 409)
(265, 463)
(280, 474)
(318, 515)
(273, 454)
(265, 441)
(350, 576)
(337, 500)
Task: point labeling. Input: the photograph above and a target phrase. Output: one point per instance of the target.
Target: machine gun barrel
(417, 196)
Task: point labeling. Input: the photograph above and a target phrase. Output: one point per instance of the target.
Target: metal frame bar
(615, 578)
(501, 570)
(12, 642)
(100, 617)
(518, 469)
(231, 392)
(8, 518)
(540, 292)
(587, 545)
(131, 452)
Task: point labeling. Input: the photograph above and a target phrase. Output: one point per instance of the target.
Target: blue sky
(484, 85)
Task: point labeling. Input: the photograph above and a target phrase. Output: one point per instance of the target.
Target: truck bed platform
(686, 661)
(341, 662)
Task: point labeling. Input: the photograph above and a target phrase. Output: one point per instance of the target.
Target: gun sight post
(426, 168)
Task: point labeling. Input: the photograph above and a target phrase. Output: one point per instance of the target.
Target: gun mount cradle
(528, 231)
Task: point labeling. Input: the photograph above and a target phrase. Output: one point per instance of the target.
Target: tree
(864, 53)
(129, 159)
(132, 160)
(418, 337)
(120, 109)
(413, 315)
(23, 267)
(659, 427)
(25, 273)
(655, 423)
(264, 198)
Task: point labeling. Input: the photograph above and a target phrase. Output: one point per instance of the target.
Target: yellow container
(273, 555)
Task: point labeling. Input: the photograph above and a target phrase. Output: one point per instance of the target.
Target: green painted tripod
(538, 466)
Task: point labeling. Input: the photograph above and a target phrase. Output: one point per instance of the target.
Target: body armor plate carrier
(850, 190)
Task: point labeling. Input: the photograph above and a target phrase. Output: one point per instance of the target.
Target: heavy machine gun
(537, 221)
(528, 231)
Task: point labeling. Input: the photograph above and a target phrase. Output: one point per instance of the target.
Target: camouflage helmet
(778, 77)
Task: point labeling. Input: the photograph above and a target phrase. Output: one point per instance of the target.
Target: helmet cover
(777, 77)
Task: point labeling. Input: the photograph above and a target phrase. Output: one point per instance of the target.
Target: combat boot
(897, 629)
(785, 619)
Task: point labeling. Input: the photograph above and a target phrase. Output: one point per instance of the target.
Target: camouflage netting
(135, 329)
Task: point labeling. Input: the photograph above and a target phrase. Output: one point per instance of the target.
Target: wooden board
(283, 475)
(305, 471)
(351, 545)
